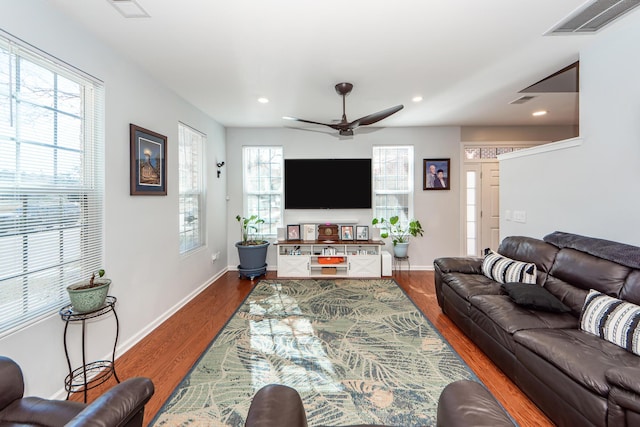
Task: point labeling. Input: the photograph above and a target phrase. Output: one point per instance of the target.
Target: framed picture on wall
(436, 174)
(148, 162)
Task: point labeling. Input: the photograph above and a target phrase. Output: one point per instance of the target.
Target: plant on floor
(399, 233)
(249, 230)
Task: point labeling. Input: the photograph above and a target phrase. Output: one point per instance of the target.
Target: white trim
(544, 148)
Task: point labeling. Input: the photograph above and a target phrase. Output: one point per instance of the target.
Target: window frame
(389, 211)
(52, 228)
(269, 229)
(196, 191)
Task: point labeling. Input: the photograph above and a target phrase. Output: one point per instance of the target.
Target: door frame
(475, 164)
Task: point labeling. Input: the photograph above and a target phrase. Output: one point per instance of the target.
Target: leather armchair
(462, 403)
(121, 406)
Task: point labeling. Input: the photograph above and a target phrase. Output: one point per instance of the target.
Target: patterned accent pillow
(505, 270)
(612, 319)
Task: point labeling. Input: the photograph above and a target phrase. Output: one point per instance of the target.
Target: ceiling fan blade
(375, 117)
(336, 126)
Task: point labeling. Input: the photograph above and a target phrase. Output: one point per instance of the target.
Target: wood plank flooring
(169, 352)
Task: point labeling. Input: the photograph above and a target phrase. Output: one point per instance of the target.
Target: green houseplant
(89, 295)
(398, 232)
(252, 249)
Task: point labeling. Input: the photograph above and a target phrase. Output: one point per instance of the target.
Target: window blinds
(51, 181)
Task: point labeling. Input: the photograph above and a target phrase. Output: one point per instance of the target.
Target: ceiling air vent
(522, 99)
(594, 16)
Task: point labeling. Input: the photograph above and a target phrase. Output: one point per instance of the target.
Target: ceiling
(468, 59)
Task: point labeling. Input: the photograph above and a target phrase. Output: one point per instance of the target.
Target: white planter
(400, 250)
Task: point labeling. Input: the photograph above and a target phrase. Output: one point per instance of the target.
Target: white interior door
(490, 206)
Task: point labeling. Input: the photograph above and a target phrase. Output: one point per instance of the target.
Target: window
(51, 182)
(192, 197)
(263, 186)
(393, 182)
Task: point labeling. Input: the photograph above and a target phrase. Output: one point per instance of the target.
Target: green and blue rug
(357, 351)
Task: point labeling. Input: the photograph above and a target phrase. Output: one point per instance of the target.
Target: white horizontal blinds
(51, 182)
(393, 181)
(191, 145)
(263, 179)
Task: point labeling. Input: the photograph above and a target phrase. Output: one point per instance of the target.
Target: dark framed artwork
(148, 162)
(293, 232)
(362, 232)
(436, 174)
(346, 232)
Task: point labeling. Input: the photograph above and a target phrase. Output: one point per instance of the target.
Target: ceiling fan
(346, 127)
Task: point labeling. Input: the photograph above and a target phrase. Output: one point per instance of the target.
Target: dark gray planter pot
(253, 259)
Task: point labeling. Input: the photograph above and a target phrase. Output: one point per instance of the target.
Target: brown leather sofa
(462, 403)
(575, 377)
(121, 406)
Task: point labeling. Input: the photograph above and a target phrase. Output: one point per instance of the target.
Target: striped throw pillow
(612, 319)
(507, 270)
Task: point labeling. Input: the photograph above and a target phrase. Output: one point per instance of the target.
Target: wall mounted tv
(327, 183)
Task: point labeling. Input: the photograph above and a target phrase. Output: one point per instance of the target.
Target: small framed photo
(362, 232)
(148, 160)
(437, 174)
(346, 232)
(309, 232)
(293, 232)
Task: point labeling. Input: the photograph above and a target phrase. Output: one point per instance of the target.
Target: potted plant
(252, 249)
(398, 233)
(89, 295)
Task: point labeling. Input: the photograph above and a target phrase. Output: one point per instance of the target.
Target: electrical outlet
(519, 216)
(214, 257)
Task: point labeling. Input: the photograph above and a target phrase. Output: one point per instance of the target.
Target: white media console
(319, 258)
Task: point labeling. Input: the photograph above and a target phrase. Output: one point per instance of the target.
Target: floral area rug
(357, 351)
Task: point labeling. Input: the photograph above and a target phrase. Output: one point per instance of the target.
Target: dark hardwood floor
(167, 354)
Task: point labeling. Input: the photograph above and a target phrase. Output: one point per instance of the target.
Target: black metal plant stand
(89, 375)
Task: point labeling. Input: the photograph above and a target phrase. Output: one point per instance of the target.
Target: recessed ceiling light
(263, 100)
(416, 98)
(539, 113)
(129, 8)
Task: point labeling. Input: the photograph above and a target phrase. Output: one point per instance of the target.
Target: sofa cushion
(534, 297)
(583, 357)
(501, 318)
(503, 269)
(613, 320)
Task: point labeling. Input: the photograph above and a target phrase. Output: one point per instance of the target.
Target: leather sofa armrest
(12, 384)
(276, 405)
(466, 403)
(467, 265)
(122, 405)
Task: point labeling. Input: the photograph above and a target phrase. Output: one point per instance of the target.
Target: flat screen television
(327, 184)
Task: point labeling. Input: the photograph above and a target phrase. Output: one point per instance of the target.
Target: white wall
(149, 276)
(592, 188)
(438, 211)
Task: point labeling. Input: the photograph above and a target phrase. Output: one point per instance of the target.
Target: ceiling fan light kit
(344, 126)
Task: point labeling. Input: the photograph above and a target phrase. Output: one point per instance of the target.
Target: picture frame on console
(362, 232)
(436, 174)
(346, 232)
(293, 232)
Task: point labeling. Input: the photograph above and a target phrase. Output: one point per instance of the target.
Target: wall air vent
(593, 16)
(522, 99)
